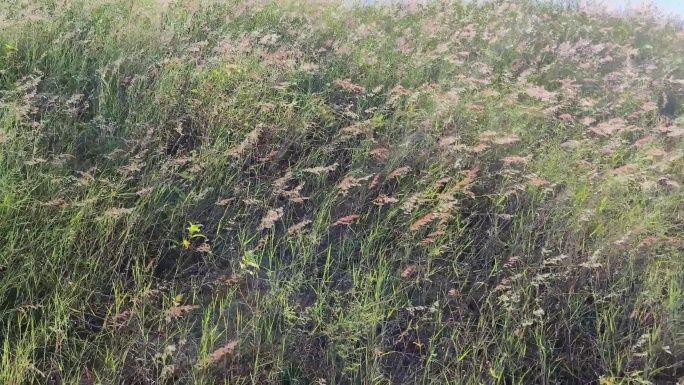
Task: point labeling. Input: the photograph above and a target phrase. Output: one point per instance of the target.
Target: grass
(260, 193)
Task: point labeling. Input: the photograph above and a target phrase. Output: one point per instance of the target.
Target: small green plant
(194, 231)
(249, 262)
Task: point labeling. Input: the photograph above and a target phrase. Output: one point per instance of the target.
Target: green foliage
(200, 192)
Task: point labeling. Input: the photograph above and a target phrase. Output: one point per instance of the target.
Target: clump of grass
(257, 192)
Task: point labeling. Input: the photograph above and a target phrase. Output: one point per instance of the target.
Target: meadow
(265, 192)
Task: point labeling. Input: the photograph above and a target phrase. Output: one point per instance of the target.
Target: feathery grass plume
(644, 109)
(537, 181)
(297, 228)
(272, 216)
(293, 195)
(144, 192)
(26, 308)
(448, 141)
(349, 86)
(650, 241)
(609, 128)
(657, 153)
(224, 202)
(512, 261)
(540, 93)
(506, 140)
(262, 242)
(426, 241)
(487, 136)
(479, 148)
(322, 169)
(347, 183)
(643, 141)
(249, 142)
(441, 183)
(354, 130)
(57, 202)
(567, 118)
(269, 39)
(35, 161)
(180, 311)
(464, 185)
(588, 121)
(219, 353)
(120, 319)
(167, 372)
(149, 265)
(628, 168)
(232, 280)
(675, 133)
(124, 316)
(384, 199)
(345, 221)
(381, 154)
(474, 107)
(269, 157)
(309, 67)
(408, 272)
(413, 202)
(401, 171)
(203, 248)
(666, 181)
(422, 222)
(282, 182)
(117, 212)
(375, 181)
(509, 160)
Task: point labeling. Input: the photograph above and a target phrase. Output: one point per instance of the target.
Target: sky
(667, 6)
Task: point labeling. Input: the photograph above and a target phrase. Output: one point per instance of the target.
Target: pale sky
(667, 6)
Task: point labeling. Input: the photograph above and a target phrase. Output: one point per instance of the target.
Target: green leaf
(194, 228)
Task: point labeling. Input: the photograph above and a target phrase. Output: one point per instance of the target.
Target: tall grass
(238, 192)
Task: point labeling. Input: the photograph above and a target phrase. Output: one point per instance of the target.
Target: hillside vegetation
(266, 193)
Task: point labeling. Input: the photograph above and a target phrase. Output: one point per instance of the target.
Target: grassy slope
(513, 173)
